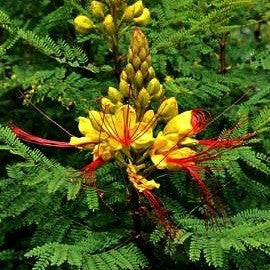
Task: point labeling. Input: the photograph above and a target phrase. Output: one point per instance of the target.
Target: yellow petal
(104, 151)
(184, 152)
(97, 119)
(164, 143)
(150, 184)
(85, 125)
(125, 119)
(159, 161)
(189, 141)
(115, 144)
(76, 141)
(142, 136)
(180, 124)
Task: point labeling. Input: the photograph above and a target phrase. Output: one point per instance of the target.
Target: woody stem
(136, 215)
(115, 46)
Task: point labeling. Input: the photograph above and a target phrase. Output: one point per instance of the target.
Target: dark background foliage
(46, 222)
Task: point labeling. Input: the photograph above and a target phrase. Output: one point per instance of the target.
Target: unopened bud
(143, 98)
(168, 109)
(97, 9)
(153, 87)
(109, 24)
(83, 24)
(136, 61)
(130, 71)
(144, 19)
(138, 79)
(124, 88)
(130, 55)
(114, 95)
(138, 8)
(149, 118)
(151, 73)
(128, 14)
(143, 53)
(123, 75)
(107, 106)
(144, 68)
(159, 94)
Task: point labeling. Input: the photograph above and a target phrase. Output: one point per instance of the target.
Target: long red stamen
(162, 215)
(226, 143)
(37, 140)
(206, 193)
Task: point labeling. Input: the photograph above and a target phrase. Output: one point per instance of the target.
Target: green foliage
(57, 220)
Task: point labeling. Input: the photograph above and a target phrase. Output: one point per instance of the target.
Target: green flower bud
(168, 109)
(138, 79)
(142, 54)
(130, 71)
(109, 24)
(97, 9)
(151, 73)
(159, 94)
(107, 106)
(136, 61)
(143, 98)
(114, 95)
(123, 76)
(128, 14)
(153, 87)
(83, 24)
(144, 68)
(130, 55)
(124, 88)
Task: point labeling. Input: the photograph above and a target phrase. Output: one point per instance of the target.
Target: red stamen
(226, 143)
(160, 212)
(37, 140)
(206, 193)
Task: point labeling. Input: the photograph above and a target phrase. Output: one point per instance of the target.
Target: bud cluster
(109, 17)
(138, 79)
(138, 83)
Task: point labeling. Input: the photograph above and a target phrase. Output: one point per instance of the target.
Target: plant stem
(115, 44)
(222, 55)
(136, 216)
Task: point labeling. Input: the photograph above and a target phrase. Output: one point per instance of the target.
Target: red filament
(37, 140)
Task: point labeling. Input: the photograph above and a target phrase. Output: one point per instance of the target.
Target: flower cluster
(111, 16)
(124, 130)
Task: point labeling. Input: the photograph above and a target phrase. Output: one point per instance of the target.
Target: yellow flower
(139, 182)
(124, 130)
(165, 147)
